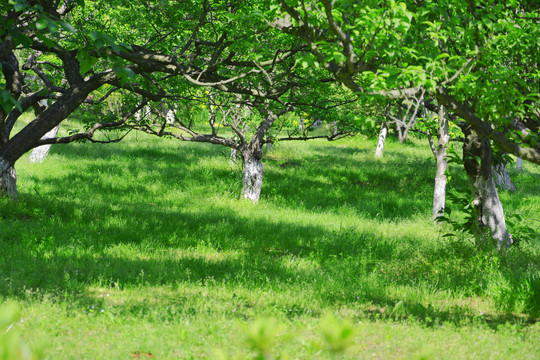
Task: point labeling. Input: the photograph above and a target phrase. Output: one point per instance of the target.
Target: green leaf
(20, 7)
(42, 23)
(442, 56)
(67, 26)
(123, 73)
(86, 61)
(52, 26)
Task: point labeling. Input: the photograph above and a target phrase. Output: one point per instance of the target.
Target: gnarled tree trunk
(439, 194)
(487, 205)
(252, 176)
(382, 139)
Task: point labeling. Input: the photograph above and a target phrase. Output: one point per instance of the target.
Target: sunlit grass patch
(153, 233)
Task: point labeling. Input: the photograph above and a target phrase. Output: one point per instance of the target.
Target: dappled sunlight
(162, 236)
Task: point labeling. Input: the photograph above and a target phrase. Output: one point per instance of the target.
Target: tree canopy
(477, 58)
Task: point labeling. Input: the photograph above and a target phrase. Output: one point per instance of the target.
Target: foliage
(475, 58)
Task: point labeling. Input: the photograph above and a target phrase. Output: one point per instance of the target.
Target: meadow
(143, 249)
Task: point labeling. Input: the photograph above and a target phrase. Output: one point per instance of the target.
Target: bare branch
(90, 133)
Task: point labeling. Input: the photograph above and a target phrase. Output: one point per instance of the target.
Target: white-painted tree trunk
(439, 195)
(519, 164)
(8, 183)
(431, 144)
(40, 153)
(334, 128)
(490, 211)
(234, 156)
(170, 117)
(142, 113)
(502, 177)
(382, 139)
(252, 178)
(487, 204)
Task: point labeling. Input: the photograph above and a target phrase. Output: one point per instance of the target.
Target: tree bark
(40, 153)
(502, 178)
(402, 133)
(431, 144)
(488, 209)
(252, 177)
(519, 164)
(8, 184)
(439, 194)
(234, 156)
(382, 139)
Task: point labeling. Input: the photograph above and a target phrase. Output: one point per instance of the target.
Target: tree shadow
(91, 230)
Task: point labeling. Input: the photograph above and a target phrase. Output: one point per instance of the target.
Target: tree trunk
(488, 209)
(402, 134)
(252, 177)
(431, 144)
(269, 143)
(519, 164)
(439, 194)
(382, 139)
(234, 156)
(502, 178)
(8, 184)
(40, 153)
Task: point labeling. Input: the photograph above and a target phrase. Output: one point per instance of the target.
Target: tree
(34, 38)
(477, 59)
(439, 194)
(69, 62)
(398, 50)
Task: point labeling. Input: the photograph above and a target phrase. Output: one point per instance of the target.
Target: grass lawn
(142, 250)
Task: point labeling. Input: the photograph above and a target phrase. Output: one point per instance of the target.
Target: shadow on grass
(89, 231)
(333, 178)
(251, 253)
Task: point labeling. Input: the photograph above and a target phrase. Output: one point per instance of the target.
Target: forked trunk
(439, 194)
(252, 177)
(502, 178)
(487, 205)
(402, 133)
(382, 139)
(40, 153)
(8, 184)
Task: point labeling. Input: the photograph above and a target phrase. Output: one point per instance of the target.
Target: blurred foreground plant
(11, 346)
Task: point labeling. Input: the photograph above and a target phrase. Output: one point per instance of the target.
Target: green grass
(144, 246)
